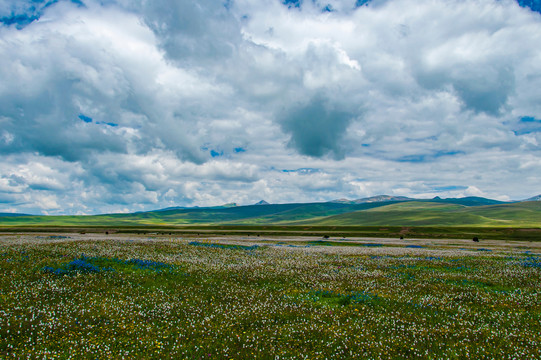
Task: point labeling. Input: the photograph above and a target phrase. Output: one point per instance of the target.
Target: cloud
(21, 13)
(195, 33)
(96, 71)
(117, 104)
(316, 128)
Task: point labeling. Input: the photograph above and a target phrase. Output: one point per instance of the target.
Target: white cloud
(136, 105)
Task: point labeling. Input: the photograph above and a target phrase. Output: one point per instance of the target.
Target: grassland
(397, 214)
(527, 214)
(128, 296)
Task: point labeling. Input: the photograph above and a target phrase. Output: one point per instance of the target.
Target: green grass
(412, 213)
(423, 219)
(270, 231)
(164, 298)
(437, 214)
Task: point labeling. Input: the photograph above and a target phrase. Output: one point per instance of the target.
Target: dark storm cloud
(46, 122)
(481, 87)
(194, 32)
(316, 128)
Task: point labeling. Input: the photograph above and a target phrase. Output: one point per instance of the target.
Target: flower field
(166, 297)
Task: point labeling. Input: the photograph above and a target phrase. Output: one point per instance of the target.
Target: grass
(441, 214)
(411, 213)
(318, 231)
(167, 297)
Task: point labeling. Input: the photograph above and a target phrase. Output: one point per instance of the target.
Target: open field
(288, 297)
(440, 232)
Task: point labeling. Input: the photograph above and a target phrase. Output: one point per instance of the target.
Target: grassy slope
(242, 215)
(434, 214)
(412, 213)
(307, 213)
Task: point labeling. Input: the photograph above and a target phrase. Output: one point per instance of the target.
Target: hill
(535, 198)
(373, 199)
(524, 214)
(468, 201)
(11, 214)
(469, 211)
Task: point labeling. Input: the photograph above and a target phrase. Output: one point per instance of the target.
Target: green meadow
(455, 218)
(526, 214)
(411, 213)
(154, 297)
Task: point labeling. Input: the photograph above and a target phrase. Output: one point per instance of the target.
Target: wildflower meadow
(155, 297)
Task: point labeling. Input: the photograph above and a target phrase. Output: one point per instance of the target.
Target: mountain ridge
(424, 213)
(263, 208)
(466, 200)
(534, 198)
(376, 198)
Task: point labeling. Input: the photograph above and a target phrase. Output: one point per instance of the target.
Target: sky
(133, 105)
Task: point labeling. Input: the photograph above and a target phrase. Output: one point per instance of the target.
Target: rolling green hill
(241, 215)
(476, 212)
(526, 214)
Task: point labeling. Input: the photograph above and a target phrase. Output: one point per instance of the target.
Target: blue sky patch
(292, 3)
(227, 4)
(428, 157)
(448, 153)
(19, 20)
(302, 171)
(33, 12)
(88, 120)
(215, 153)
(412, 158)
(527, 130)
(85, 118)
(527, 125)
(328, 8)
(360, 3)
(239, 150)
(534, 5)
(529, 119)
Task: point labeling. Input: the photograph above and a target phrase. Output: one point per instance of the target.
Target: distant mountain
(467, 201)
(229, 205)
(12, 214)
(171, 208)
(342, 201)
(375, 211)
(372, 199)
(381, 198)
(535, 198)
